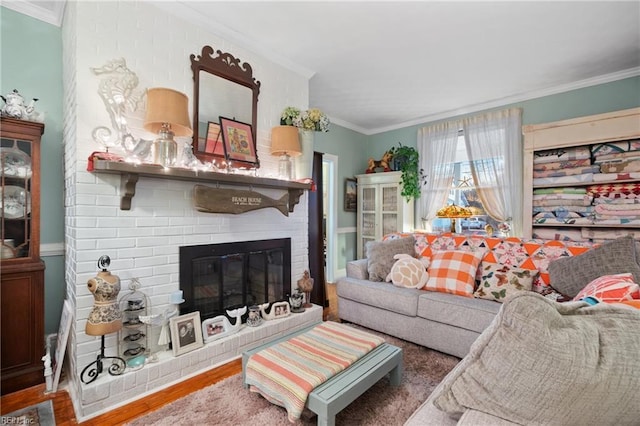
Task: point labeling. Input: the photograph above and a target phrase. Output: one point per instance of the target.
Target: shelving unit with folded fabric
(582, 177)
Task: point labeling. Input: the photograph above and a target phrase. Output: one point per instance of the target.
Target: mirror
(222, 87)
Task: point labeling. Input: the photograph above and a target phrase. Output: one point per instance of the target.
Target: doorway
(330, 214)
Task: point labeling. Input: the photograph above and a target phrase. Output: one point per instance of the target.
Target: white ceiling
(377, 66)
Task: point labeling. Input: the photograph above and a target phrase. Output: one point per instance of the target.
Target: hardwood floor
(63, 407)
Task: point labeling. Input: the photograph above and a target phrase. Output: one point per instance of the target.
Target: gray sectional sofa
(441, 321)
(492, 339)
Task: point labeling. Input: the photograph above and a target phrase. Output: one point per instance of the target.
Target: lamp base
(453, 225)
(165, 152)
(284, 167)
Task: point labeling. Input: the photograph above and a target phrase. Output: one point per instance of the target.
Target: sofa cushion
(454, 271)
(382, 295)
(611, 288)
(498, 281)
(569, 275)
(543, 362)
(358, 269)
(380, 255)
(464, 312)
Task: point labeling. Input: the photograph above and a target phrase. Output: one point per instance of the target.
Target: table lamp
(168, 116)
(285, 143)
(454, 212)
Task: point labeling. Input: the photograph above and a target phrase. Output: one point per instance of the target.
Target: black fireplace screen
(217, 277)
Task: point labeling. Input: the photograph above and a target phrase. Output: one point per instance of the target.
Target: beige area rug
(35, 415)
(229, 403)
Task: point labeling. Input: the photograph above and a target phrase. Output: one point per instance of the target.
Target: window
(463, 193)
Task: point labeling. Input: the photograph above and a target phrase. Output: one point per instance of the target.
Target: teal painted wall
(350, 147)
(31, 61)
(613, 96)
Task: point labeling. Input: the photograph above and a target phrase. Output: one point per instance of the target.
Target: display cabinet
(381, 208)
(22, 282)
(618, 129)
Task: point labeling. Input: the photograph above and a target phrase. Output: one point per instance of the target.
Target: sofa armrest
(358, 269)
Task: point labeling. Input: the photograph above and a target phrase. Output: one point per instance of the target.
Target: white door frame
(331, 195)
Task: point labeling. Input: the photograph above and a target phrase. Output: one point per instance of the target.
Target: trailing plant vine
(406, 158)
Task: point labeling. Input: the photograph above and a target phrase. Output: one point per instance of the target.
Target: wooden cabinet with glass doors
(381, 208)
(22, 270)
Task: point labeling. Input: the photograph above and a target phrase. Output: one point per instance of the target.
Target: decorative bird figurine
(305, 285)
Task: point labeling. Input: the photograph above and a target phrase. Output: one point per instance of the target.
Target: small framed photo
(239, 145)
(280, 309)
(186, 333)
(350, 195)
(215, 328)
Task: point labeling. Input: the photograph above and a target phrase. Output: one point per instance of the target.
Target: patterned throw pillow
(611, 288)
(499, 281)
(454, 271)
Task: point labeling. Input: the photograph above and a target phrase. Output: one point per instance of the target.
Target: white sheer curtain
(437, 150)
(494, 147)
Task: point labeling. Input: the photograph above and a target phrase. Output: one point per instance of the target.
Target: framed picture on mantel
(239, 145)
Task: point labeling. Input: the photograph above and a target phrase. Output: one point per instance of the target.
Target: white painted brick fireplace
(143, 242)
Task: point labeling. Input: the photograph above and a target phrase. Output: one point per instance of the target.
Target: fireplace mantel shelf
(130, 173)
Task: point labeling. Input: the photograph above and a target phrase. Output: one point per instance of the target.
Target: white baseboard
(52, 249)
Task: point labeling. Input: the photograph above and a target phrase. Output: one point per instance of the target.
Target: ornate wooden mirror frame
(228, 67)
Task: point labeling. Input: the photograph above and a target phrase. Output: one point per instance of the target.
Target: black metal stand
(93, 370)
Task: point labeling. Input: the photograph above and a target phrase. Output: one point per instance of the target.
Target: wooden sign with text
(235, 201)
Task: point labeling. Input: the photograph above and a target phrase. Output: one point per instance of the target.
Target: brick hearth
(108, 392)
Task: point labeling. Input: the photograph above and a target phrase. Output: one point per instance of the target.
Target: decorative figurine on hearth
(105, 317)
(305, 285)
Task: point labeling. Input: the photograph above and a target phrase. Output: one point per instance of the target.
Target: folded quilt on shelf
(608, 234)
(560, 215)
(623, 209)
(626, 166)
(556, 155)
(563, 234)
(617, 201)
(584, 178)
(541, 167)
(607, 148)
(560, 196)
(559, 191)
(602, 177)
(614, 188)
(586, 201)
(566, 172)
(563, 221)
(561, 209)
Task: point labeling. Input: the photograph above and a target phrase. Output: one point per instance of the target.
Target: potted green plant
(407, 160)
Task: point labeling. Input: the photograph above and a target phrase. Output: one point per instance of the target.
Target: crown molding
(51, 15)
(534, 94)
